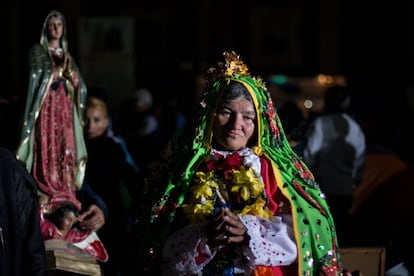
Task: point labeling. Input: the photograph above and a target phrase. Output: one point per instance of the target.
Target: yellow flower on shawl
(206, 184)
(246, 183)
(201, 203)
(197, 213)
(205, 208)
(257, 209)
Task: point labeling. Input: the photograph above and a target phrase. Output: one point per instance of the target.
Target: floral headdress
(312, 219)
(195, 145)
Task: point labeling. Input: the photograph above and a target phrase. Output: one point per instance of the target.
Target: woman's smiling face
(234, 124)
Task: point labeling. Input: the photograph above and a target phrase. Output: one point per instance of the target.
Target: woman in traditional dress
(239, 201)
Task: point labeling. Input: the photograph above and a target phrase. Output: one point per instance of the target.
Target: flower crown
(233, 66)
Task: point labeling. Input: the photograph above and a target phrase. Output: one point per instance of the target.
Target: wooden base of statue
(64, 259)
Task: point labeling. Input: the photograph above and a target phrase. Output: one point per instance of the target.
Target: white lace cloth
(271, 244)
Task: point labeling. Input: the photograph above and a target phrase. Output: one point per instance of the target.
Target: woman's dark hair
(235, 90)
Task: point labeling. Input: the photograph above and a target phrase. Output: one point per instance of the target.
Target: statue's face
(54, 28)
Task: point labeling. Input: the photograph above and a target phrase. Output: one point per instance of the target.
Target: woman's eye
(224, 113)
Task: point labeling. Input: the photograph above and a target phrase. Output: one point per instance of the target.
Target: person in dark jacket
(22, 250)
(113, 174)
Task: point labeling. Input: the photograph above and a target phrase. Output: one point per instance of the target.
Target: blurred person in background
(380, 214)
(114, 176)
(335, 152)
(140, 127)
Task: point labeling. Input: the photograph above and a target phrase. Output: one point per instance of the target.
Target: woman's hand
(215, 230)
(92, 219)
(235, 229)
(225, 228)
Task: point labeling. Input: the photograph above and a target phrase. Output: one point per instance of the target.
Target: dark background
(358, 39)
(369, 43)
